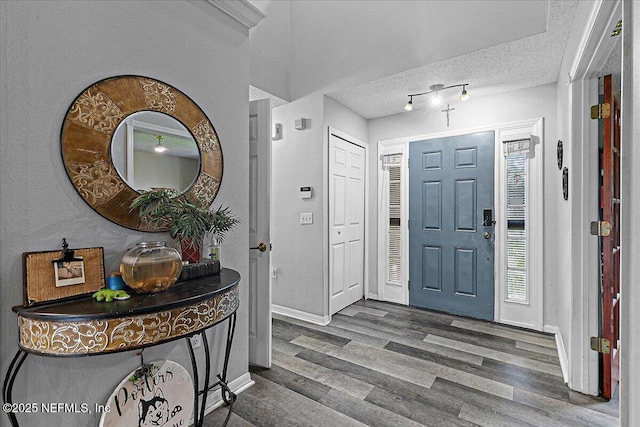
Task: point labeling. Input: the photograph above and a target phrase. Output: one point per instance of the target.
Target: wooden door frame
(594, 49)
(325, 213)
(611, 150)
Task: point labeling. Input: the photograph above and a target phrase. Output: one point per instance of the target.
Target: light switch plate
(306, 218)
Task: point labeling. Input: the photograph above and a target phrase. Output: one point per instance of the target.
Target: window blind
(392, 165)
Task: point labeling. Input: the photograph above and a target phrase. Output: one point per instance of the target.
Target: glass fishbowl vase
(151, 267)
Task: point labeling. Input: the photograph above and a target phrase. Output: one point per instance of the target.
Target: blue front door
(450, 233)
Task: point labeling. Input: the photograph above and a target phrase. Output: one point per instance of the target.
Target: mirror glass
(150, 149)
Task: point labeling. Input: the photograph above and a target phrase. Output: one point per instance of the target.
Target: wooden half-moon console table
(85, 327)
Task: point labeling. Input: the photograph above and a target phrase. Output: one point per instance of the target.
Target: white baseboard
(301, 315)
(214, 398)
(517, 324)
(562, 353)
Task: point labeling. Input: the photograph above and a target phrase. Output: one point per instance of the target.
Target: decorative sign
(158, 394)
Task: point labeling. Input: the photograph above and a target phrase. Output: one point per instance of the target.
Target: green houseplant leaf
(188, 220)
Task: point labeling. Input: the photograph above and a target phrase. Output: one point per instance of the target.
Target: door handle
(487, 235)
(262, 247)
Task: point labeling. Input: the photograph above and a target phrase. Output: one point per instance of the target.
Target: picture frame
(49, 277)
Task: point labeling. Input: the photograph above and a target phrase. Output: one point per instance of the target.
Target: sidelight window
(392, 164)
(516, 152)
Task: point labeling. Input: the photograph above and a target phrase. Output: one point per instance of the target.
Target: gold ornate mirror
(121, 126)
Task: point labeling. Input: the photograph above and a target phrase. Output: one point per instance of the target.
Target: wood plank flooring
(381, 364)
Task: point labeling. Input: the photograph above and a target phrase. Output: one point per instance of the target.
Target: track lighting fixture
(436, 100)
(409, 106)
(465, 95)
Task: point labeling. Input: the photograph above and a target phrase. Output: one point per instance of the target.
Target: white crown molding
(240, 10)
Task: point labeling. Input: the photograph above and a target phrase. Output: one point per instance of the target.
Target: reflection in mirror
(150, 149)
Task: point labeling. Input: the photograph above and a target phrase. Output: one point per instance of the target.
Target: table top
(180, 294)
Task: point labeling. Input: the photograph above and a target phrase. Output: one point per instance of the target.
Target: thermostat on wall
(305, 192)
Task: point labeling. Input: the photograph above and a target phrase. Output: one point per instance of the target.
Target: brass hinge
(600, 228)
(601, 111)
(601, 345)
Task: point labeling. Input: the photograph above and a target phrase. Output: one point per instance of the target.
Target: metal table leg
(223, 378)
(227, 395)
(205, 390)
(7, 386)
(196, 386)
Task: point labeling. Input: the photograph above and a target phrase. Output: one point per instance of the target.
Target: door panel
(450, 260)
(346, 222)
(259, 191)
(432, 160)
(432, 267)
(465, 204)
(338, 256)
(465, 272)
(432, 205)
(339, 210)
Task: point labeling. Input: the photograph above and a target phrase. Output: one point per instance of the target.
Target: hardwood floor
(380, 364)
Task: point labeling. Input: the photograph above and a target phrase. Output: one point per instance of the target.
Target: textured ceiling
(520, 64)
(339, 44)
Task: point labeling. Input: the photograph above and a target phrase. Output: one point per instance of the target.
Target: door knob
(487, 235)
(261, 247)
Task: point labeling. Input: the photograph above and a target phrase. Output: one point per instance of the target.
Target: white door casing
(259, 215)
(533, 316)
(528, 313)
(347, 171)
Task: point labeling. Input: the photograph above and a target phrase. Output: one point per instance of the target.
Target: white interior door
(259, 238)
(346, 222)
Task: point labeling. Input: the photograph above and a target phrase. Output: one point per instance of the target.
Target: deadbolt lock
(487, 235)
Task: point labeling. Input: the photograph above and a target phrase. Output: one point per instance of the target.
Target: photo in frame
(69, 273)
(49, 276)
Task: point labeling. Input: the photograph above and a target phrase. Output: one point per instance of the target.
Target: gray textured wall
(300, 158)
(51, 51)
(298, 249)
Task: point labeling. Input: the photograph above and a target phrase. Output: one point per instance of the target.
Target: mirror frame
(88, 128)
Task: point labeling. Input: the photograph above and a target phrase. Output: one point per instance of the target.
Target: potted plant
(187, 220)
